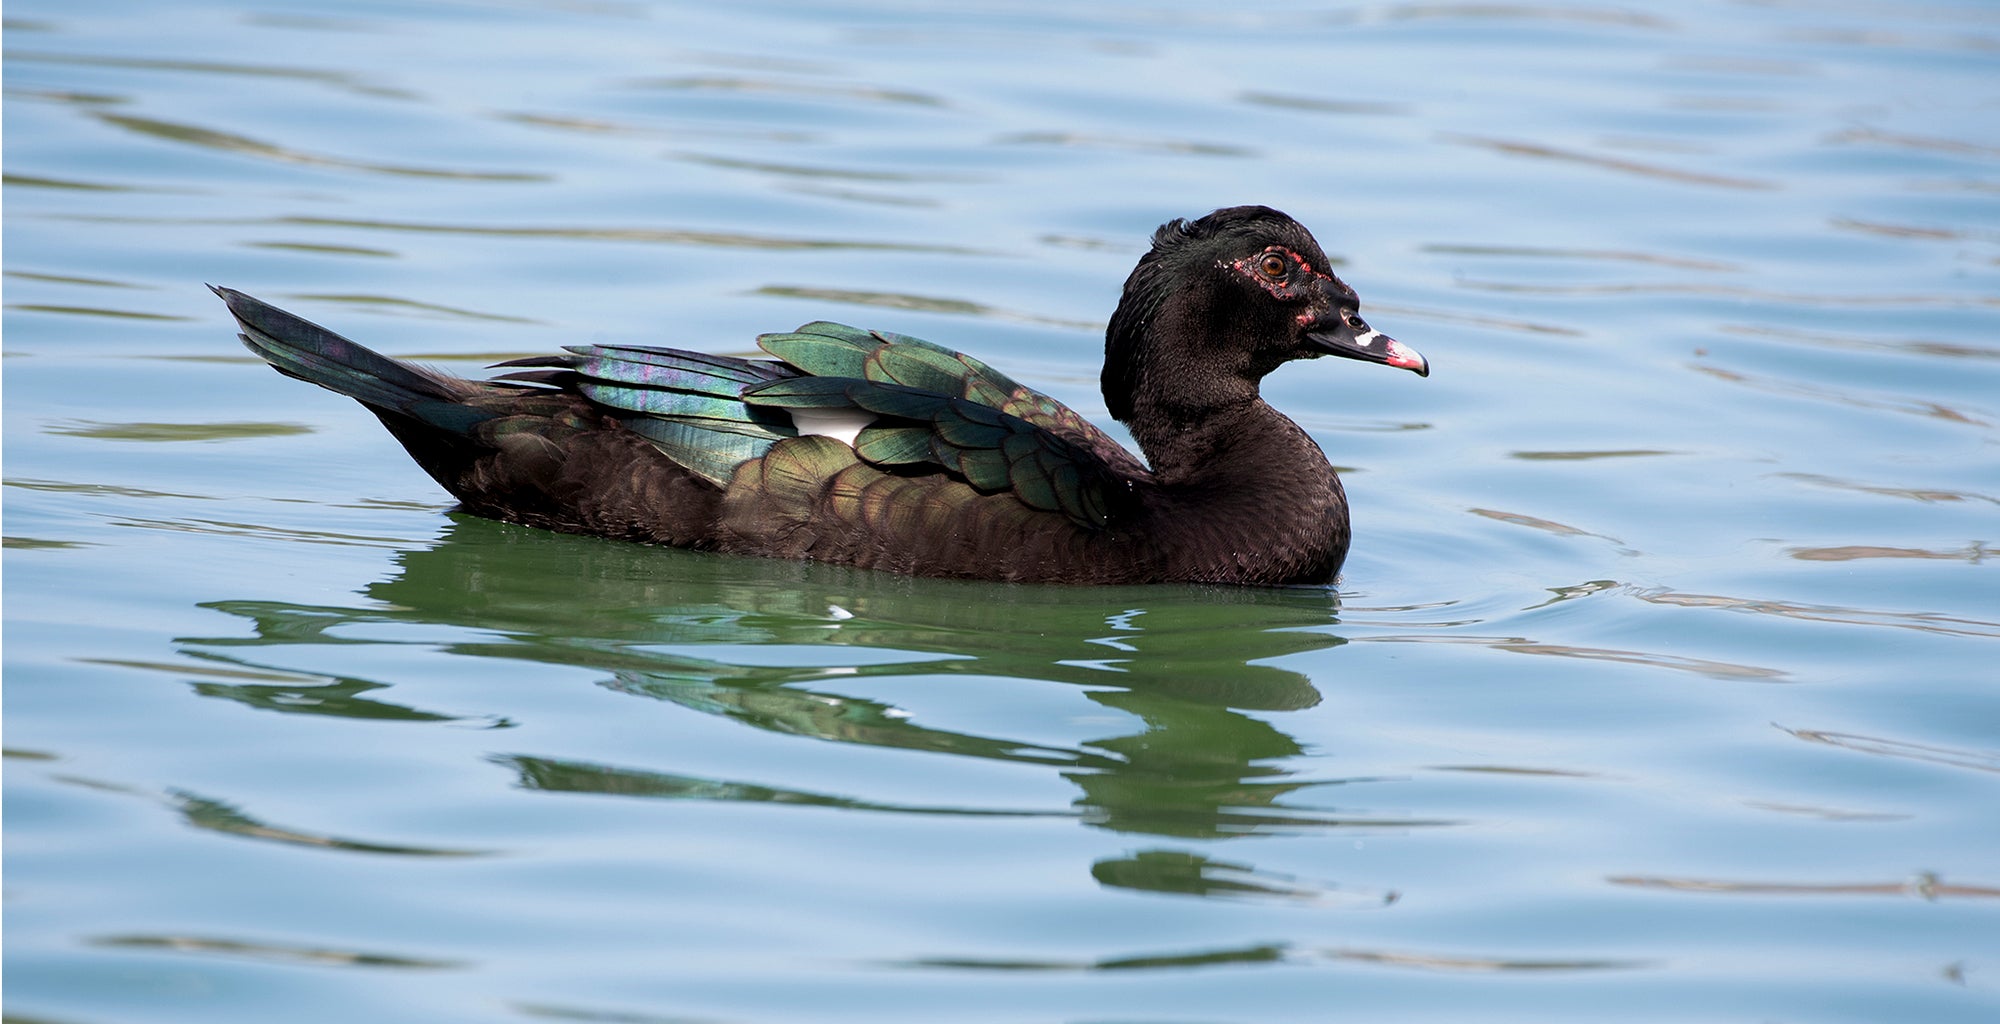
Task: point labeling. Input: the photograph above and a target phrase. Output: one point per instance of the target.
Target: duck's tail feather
(299, 348)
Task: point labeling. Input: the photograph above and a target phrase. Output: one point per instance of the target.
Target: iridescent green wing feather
(686, 403)
(824, 349)
(992, 450)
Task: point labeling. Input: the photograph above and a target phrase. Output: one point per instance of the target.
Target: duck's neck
(1245, 494)
(1188, 444)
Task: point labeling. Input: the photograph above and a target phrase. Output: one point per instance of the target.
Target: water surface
(1659, 685)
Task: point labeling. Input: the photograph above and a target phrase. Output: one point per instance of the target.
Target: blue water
(1660, 685)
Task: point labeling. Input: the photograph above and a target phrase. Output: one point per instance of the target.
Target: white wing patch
(842, 425)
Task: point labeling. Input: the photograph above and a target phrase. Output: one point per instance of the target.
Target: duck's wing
(927, 405)
(824, 349)
(910, 403)
(689, 404)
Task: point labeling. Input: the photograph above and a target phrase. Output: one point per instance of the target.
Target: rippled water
(1660, 685)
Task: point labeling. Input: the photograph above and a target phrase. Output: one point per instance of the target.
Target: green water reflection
(1192, 667)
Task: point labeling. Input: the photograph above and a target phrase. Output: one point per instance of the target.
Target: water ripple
(1926, 143)
(325, 249)
(1319, 104)
(96, 490)
(1927, 495)
(1486, 320)
(921, 303)
(1522, 645)
(814, 171)
(660, 236)
(1519, 12)
(554, 775)
(597, 125)
(1633, 167)
(73, 185)
(1225, 957)
(228, 528)
(221, 431)
(1589, 255)
(115, 314)
(743, 85)
(1975, 553)
(16, 542)
(337, 79)
(1925, 886)
(1928, 622)
(317, 956)
(656, 236)
(214, 815)
(1278, 953)
(1910, 406)
(209, 138)
(393, 304)
(1480, 964)
(1830, 299)
(265, 688)
(1580, 456)
(1547, 526)
(1094, 140)
(219, 816)
(87, 282)
(1181, 873)
(1916, 231)
(593, 1015)
(1910, 346)
(1977, 760)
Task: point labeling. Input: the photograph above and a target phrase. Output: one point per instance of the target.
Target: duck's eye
(1274, 266)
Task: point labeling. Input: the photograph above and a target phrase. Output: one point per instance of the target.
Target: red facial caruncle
(1280, 271)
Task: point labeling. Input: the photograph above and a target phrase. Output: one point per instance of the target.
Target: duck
(882, 451)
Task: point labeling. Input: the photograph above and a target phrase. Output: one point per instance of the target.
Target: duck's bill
(1368, 345)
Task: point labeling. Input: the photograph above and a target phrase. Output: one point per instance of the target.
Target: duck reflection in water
(1186, 662)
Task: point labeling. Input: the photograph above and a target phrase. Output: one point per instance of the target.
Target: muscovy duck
(877, 450)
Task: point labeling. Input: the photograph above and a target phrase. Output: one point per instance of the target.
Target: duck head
(1221, 301)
